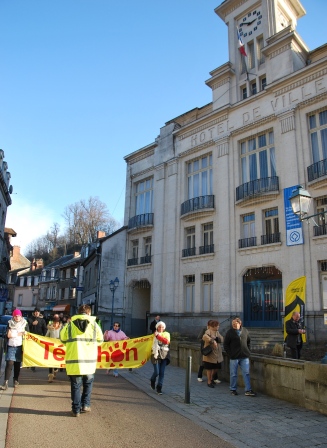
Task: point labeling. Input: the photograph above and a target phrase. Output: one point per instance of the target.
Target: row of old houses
(209, 228)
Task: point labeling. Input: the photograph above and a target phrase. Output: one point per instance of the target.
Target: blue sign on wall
(294, 234)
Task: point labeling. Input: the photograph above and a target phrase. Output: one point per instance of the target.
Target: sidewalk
(243, 421)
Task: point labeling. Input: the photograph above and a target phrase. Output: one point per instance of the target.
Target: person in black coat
(37, 325)
(294, 332)
(154, 323)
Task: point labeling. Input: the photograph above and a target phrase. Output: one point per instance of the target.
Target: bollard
(188, 380)
(1, 351)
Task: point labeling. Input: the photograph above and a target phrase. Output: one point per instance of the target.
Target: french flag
(241, 46)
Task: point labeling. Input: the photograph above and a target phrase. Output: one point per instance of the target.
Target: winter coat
(54, 332)
(237, 347)
(81, 337)
(40, 328)
(216, 356)
(293, 337)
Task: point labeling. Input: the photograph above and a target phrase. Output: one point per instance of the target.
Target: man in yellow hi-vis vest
(81, 337)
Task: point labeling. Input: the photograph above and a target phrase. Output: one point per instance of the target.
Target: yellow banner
(295, 301)
(39, 351)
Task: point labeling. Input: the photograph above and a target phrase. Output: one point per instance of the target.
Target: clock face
(283, 22)
(250, 24)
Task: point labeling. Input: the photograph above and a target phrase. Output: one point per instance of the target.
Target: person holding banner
(116, 334)
(160, 355)
(54, 329)
(81, 337)
(15, 331)
(294, 332)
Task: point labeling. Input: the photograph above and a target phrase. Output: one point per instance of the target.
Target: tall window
(253, 87)
(271, 221)
(248, 225)
(244, 93)
(260, 45)
(251, 55)
(34, 299)
(189, 293)
(258, 157)
(318, 135)
(135, 248)
(263, 82)
(147, 246)
(207, 292)
(190, 237)
(208, 234)
(144, 194)
(200, 177)
(20, 300)
(321, 206)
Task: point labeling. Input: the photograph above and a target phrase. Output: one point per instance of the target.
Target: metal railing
(145, 259)
(320, 230)
(209, 249)
(247, 242)
(132, 261)
(141, 220)
(189, 252)
(198, 203)
(257, 187)
(271, 238)
(317, 170)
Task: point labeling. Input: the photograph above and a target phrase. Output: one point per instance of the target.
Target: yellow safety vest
(81, 347)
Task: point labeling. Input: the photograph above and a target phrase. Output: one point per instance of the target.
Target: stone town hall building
(207, 201)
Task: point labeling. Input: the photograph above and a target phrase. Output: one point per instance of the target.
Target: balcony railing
(209, 249)
(247, 242)
(198, 203)
(141, 221)
(132, 261)
(145, 259)
(317, 170)
(320, 230)
(257, 187)
(271, 238)
(189, 252)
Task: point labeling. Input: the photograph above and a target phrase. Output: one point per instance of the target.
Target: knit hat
(17, 313)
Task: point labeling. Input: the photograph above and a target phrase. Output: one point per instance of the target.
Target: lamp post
(300, 201)
(113, 285)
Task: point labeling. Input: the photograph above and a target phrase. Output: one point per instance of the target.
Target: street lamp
(113, 285)
(300, 201)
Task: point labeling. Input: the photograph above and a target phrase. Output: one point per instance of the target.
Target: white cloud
(29, 221)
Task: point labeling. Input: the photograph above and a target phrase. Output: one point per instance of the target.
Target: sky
(83, 83)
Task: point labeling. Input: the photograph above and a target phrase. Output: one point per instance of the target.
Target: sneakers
(211, 385)
(107, 372)
(86, 409)
(72, 413)
(115, 375)
(159, 392)
(4, 386)
(153, 385)
(200, 380)
(217, 381)
(233, 392)
(250, 393)
(50, 377)
(16, 383)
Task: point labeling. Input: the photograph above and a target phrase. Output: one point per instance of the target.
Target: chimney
(15, 253)
(100, 234)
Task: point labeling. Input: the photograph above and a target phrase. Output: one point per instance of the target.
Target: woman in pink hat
(17, 326)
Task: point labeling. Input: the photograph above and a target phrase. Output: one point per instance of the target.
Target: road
(122, 417)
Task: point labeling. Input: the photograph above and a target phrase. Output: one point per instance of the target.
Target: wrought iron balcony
(317, 170)
(145, 259)
(257, 187)
(320, 230)
(271, 238)
(209, 249)
(132, 261)
(199, 203)
(247, 242)
(141, 221)
(189, 252)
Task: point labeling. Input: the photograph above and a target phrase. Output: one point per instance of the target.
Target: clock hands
(248, 23)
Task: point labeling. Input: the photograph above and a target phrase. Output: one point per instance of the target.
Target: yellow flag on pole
(295, 301)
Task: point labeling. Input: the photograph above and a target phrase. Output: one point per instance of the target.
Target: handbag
(206, 350)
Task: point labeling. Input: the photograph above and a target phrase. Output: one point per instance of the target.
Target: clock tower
(263, 47)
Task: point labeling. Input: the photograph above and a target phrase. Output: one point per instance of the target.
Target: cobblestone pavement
(242, 421)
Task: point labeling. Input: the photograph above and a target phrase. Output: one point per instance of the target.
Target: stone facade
(207, 201)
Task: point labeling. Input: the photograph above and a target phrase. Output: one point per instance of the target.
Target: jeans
(81, 400)
(244, 364)
(159, 369)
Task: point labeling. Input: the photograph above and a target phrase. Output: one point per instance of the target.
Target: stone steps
(265, 337)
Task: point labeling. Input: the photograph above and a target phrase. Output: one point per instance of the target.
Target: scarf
(19, 326)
